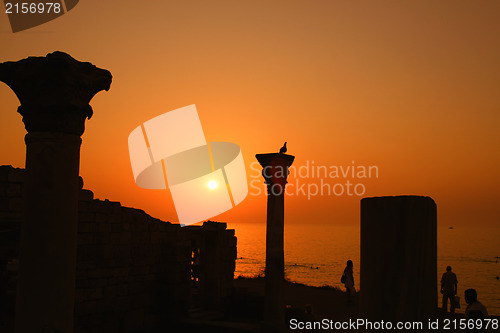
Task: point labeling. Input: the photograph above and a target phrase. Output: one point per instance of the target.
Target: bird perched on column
(283, 149)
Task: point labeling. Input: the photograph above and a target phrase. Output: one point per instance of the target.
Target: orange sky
(409, 86)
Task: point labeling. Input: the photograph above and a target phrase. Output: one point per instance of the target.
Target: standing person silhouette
(449, 289)
(348, 280)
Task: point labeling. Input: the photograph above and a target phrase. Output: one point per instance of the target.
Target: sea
(316, 254)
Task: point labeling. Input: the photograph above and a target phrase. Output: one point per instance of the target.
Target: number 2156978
(33, 8)
(472, 324)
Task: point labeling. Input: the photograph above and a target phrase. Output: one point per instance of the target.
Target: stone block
(85, 308)
(104, 227)
(124, 237)
(157, 237)
(113, 323)
(101, 238)
(85, 265)
(134, 320)
(121, 271)
(4, 204)
(115, 262)
(117, 207)
(139, 226)
(4, 172)
(153, 225)
(86, 217)
(139, 288)
(11, 217)
(140, 215)
(151, 320)
(16, 204)
(108, 252)
(142, 300)
(90, 226)
(88, 294)
(85, 195)
(99, 206)
(100, 272)
(91, 283)
(87, 252)
(17, 175)
(122, 251)
(103, 217)
(125, 226)
(85, 238)
(121, 304)
(105, 305)
(12, 189)
(116, 217)
(96, 320)
(115, 291)
(117, 227)
(83, 206)
(119, 280)
(140, 237)
(127, 214)
(139, 270)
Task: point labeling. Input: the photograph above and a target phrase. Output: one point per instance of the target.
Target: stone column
(54, 92)
(275, 172)
(398, 258)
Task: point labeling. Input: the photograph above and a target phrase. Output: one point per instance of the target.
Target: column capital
(54, 91)
(275, 167)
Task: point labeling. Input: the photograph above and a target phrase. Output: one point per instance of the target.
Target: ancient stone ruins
(83, 262)
(80, 264)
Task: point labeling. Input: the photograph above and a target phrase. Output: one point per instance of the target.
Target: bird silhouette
(283, 149)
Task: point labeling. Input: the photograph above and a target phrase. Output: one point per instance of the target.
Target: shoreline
(327, 302)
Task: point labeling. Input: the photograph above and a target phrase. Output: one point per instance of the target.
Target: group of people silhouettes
(449, 288)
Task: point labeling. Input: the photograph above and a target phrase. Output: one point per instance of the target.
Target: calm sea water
(315, 254)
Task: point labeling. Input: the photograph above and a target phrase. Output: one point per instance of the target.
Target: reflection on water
(316, 254)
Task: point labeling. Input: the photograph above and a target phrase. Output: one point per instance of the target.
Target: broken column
(275, 172)
(54, 92)
(398, 258)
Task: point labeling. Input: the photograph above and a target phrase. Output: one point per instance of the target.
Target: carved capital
(275, 168)
(54, 91)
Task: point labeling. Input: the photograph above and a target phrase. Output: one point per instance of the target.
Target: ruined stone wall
(133, 271)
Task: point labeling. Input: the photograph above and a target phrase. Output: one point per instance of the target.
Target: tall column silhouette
(54, 92)
(275, 172)
(398, 258)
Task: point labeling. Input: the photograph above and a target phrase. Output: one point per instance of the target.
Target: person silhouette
(449, 289)
(348, 280)
(475, 310)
